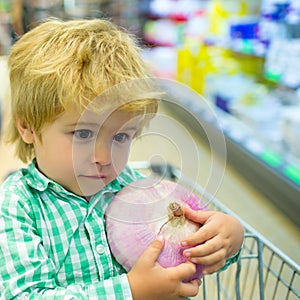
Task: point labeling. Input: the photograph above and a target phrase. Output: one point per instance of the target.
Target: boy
(76, 131)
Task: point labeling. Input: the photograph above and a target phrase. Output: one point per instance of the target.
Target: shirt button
(100, 249)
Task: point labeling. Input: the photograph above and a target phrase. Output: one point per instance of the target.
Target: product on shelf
(243, 57)
(290, 130)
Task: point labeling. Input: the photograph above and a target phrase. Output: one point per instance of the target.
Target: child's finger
(204, 234)
(209, 259)
(190, 289)
(184, 270)
(209, 269)
(197, 216)
(209, 247)
(152, 252)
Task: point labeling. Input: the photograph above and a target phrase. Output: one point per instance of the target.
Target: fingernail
(194, 260)
(187, 254)
(184, 244)
(160, 238)
(186, 206)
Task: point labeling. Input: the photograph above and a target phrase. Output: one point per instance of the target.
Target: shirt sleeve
(110, 289)
(231, 260)
(27, 272)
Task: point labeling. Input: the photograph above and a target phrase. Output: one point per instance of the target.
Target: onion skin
(141, 211)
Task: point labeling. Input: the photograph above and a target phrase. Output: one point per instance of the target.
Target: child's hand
(148, 280)
(220, 236)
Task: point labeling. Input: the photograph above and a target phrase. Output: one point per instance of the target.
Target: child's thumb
(154, 249)
(198, 216)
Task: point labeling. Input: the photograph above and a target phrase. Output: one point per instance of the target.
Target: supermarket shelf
(241, 46)
(262, 170)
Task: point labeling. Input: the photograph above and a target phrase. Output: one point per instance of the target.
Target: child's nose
(102, 153)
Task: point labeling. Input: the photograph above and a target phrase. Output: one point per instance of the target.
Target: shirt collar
(36, 179)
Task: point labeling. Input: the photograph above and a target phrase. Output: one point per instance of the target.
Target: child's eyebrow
(131, 128)
(91, 124)
(82, 124)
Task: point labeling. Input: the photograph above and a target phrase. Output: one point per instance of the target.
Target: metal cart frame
(263, 271)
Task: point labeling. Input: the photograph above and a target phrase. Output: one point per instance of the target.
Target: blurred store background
(243, 56)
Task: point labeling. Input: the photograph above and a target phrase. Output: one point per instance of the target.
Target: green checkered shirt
(53, 243)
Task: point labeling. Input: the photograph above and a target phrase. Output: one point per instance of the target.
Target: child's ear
(25, 131)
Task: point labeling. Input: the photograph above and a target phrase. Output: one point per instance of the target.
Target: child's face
(85, 153)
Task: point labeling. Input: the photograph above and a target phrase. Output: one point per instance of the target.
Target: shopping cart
(263, 271)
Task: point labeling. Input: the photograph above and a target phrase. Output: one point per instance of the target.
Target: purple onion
(145, 209)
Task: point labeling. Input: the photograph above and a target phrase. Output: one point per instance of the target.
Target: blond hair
(60, 64)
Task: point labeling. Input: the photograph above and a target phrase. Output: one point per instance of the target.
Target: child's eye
(83, 134)
(121, 137)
